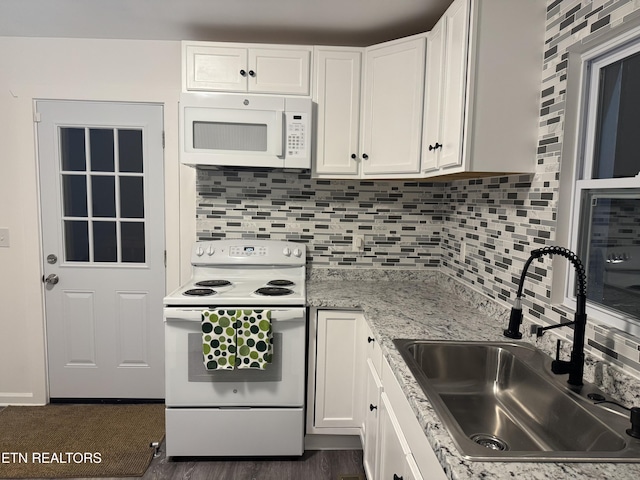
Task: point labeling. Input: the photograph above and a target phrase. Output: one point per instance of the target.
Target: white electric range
(237, 412)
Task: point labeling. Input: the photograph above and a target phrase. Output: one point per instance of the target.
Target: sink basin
(500, 401)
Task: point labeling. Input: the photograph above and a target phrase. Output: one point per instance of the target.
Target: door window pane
(130, 150)
(105, 245)
(102, 151)
(76, 241)
(72, 149)
(131, 197)
(610, 247)
(617, 141)
(108, 201)
(103, 193)
(132, 242)
(74, 192)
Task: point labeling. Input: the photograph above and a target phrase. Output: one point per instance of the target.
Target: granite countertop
(437, 307)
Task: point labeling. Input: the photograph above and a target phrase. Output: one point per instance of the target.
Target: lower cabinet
(396, 459)
(372, 410)
(353, 391)
(336, 380)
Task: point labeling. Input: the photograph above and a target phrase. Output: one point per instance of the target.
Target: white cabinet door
(393, 448)
(456, 30)
(445, 90)
(339, 361)
(215, 68)
(411, 470)
(393, 104)
(279, 70)
(431, 137)
(337, 94)
(371, 420)
(235, 68)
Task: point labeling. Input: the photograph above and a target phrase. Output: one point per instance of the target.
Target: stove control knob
(210, 250)
(297, 252)
(286, 252)
(199, 251)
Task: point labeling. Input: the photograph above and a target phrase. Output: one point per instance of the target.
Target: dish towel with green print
(219, 338)
(254, 339)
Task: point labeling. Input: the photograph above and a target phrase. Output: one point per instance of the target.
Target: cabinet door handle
(244, 74)
(396, 477)
(370, 339)
(433, 147)
(365, 156)
(372, 407)
(252, 73)
(354, 156)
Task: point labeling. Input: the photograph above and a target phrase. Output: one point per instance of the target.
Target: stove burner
(199, 292)
(281, 283)
(273, 291)
(213, 283)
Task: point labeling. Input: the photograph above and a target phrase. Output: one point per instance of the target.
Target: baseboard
(332, 442)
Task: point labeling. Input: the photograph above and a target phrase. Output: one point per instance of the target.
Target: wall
(502, 219)
(499, 219)
(31, 68)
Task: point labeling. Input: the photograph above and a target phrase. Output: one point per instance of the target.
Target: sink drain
(490, 441)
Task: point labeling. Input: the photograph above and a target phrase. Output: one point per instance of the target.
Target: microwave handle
(279, 132)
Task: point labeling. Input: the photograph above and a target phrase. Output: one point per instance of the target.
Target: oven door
(190, 384)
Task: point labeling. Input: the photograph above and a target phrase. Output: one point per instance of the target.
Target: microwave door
(232, 137)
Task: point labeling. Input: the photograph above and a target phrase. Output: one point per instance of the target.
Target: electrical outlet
(358, 243)
(463, 251)
(4, 237)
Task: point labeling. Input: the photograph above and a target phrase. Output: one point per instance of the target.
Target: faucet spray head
(515, 319)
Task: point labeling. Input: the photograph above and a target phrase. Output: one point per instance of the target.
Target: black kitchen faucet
(575, 366)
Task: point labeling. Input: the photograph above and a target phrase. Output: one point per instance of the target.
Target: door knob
(52, 279)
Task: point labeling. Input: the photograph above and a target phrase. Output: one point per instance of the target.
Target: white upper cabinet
(431, 136)
(277, 69)
(392, 108)
(373, 131)
(482, 89)
(445, 88)
(337, 95)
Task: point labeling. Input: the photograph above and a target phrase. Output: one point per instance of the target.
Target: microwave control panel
(297, 135)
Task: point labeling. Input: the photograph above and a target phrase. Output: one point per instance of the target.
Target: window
(606, 193)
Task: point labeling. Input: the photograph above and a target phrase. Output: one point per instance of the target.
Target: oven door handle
(195, 315)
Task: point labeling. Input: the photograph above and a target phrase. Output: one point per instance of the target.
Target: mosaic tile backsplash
(478, 231)
(401, 222)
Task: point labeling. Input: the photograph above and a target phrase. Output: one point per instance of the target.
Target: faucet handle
(515, 320)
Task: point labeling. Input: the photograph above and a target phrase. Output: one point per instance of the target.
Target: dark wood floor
(313, 465)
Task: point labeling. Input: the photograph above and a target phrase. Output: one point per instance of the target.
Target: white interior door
(101, 189)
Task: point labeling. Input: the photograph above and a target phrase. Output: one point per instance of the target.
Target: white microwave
(224, 129)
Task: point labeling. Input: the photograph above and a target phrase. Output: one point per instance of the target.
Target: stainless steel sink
(500, 402)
